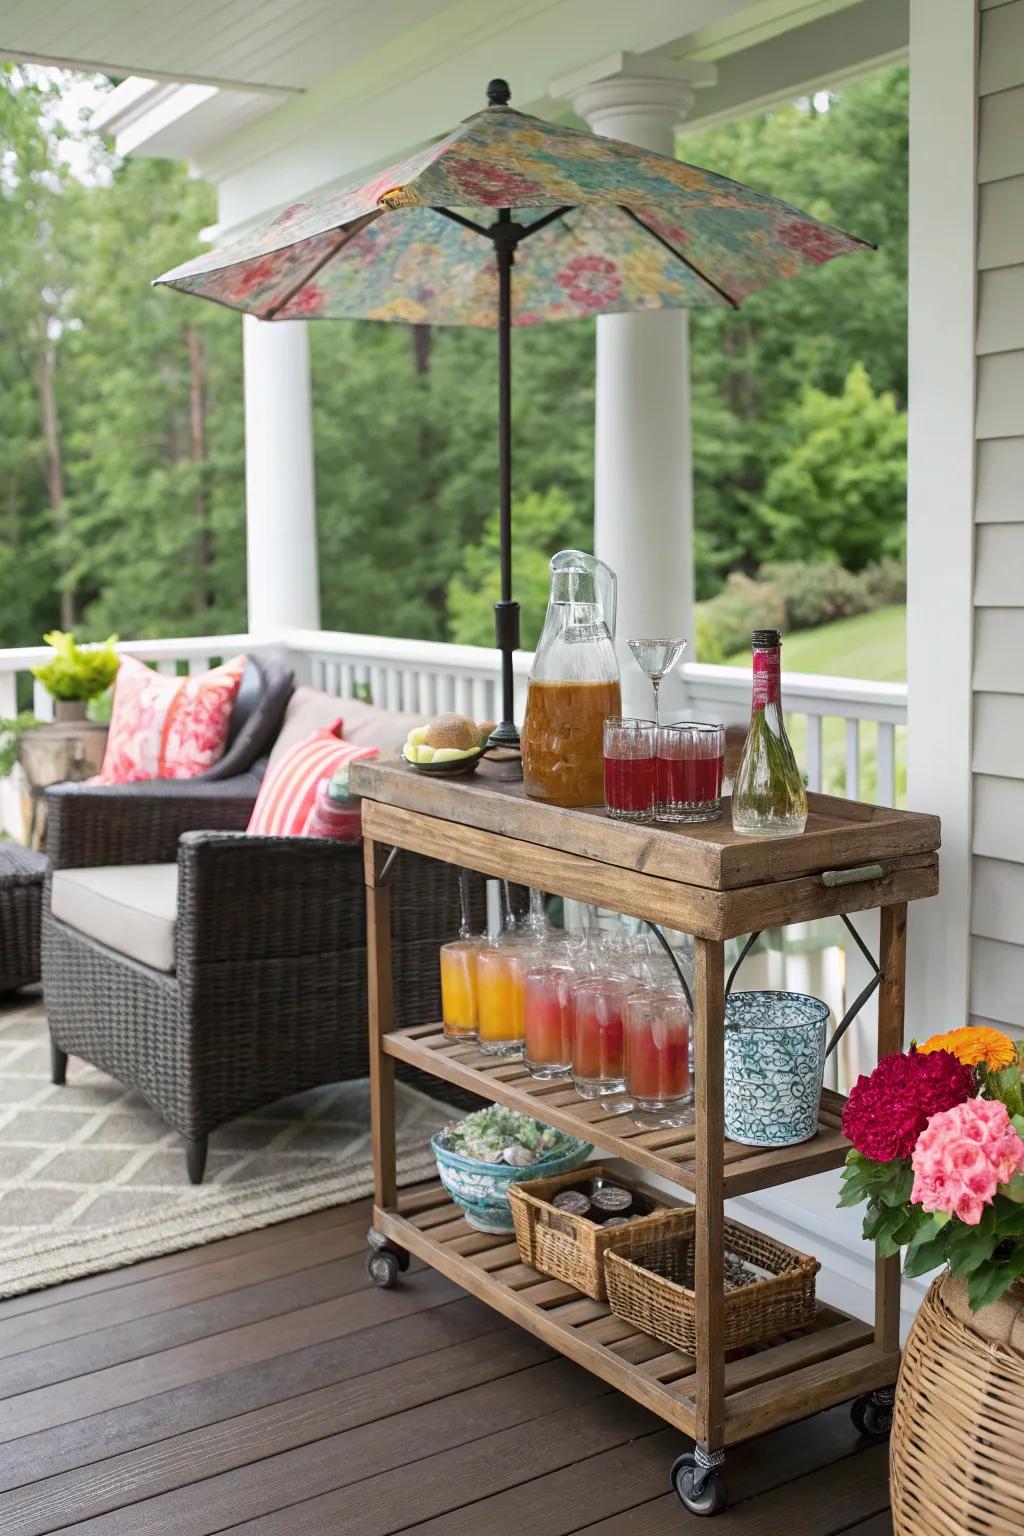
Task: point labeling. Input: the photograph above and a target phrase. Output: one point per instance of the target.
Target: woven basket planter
(958, 1432)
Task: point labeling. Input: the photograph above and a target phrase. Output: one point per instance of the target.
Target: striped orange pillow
(287, 798)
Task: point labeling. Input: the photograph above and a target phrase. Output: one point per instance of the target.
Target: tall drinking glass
(598, 1055)
(500, 1017)
(691, 761)
(630, 763)
(458, 988)
(657, 1024)
(548, 1020)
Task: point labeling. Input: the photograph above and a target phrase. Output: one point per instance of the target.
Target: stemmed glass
(657, 658)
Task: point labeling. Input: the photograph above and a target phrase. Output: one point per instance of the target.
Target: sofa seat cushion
(132, 908)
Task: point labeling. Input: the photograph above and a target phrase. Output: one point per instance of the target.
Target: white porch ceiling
(277, 46)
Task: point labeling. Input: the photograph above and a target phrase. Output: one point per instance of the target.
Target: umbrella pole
(506, 612)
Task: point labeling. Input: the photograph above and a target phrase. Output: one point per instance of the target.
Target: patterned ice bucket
(774, 1065)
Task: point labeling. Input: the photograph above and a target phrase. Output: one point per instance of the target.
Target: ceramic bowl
(482, 1188)
(451, 767)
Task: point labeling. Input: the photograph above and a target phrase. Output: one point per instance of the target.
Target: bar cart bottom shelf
(778, 1381)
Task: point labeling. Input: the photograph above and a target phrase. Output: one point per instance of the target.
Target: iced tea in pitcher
(574, 685)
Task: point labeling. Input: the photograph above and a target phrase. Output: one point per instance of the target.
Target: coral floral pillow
(168, 727)
(287, 802)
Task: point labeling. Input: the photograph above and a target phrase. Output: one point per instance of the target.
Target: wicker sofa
(212, 971)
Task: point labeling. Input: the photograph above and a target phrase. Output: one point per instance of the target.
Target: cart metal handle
(834, 877)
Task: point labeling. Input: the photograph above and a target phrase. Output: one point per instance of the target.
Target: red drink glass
(547, 991)
(630, 765)
(691, 762)
(657, 1034)
(598, 1050)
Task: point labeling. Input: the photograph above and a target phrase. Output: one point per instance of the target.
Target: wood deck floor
(260, 1385)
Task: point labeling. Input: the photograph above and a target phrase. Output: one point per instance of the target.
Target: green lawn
(872, 646)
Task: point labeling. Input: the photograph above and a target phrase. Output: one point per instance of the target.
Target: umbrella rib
(733, 303)
(457, 218)
(347, 234)
(549, 218)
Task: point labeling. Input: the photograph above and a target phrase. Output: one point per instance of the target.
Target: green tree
(541, 525)
(839, 490)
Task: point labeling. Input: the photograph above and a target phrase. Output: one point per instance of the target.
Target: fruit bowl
(451, 765)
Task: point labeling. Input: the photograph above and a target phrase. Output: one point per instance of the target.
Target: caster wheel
(383, 1268)
(710, 1500)
(871, 1418)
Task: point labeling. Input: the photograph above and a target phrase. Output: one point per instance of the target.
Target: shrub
(792, 595)
(743, 604)
(885, 583)
(814, 593)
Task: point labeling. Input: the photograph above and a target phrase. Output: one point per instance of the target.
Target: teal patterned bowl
(482, 1188)
(774, 1066)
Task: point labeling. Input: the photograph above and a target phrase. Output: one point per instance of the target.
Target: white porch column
(280, 494)
(643, 479)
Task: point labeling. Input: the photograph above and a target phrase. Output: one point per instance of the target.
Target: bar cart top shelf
(704, 879)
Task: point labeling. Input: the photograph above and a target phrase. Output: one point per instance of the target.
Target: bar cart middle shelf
(709, 882)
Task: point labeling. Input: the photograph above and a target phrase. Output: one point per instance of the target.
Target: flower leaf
(924, 1254)
(967, 1248)
(989, 1282)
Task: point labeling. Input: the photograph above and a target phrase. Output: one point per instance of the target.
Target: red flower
(491, 185)
(590, 281)
(255, 275)
(815, 243)
(886, 1112)
(309, 301)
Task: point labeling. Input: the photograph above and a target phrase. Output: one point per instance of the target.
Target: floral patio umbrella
(592, 225)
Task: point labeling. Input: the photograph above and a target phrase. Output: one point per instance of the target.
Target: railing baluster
(480, 699)
(8, 695)
(886, 758)
(814, 752)
(42, 703)
(852, 759)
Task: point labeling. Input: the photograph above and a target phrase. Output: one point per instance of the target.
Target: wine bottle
(768, 795)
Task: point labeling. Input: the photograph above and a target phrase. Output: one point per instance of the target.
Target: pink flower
(962, 1156)
(590, 281)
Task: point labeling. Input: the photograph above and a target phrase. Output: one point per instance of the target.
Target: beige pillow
(309, 709)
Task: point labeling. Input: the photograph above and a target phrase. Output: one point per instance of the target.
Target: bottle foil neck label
(767, 678)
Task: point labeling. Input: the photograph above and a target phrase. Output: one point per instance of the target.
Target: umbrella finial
(498, 93)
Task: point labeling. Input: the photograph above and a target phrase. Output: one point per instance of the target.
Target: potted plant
(76, 673)
(73, 746)
(938, 1157)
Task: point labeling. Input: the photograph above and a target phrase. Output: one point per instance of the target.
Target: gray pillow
(309, 709)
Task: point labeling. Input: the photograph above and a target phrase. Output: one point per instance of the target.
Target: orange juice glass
(500, 1017)
(458, 988)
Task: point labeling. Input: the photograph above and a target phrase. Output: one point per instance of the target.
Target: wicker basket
(769, 1288)
(569, 1247)
(958, 1432)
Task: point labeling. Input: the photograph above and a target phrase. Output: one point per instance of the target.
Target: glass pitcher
(574, 684)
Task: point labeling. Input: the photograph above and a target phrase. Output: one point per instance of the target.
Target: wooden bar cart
(703, 880)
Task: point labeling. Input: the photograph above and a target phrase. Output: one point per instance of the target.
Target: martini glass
(657, 658)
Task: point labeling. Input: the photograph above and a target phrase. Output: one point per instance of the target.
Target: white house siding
(997, 909)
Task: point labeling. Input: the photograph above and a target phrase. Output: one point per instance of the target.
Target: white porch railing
(847, 732)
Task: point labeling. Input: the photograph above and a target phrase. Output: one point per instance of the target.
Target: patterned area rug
(91, 1178)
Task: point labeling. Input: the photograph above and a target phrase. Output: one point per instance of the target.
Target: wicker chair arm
(140, 823)
(261, 900)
